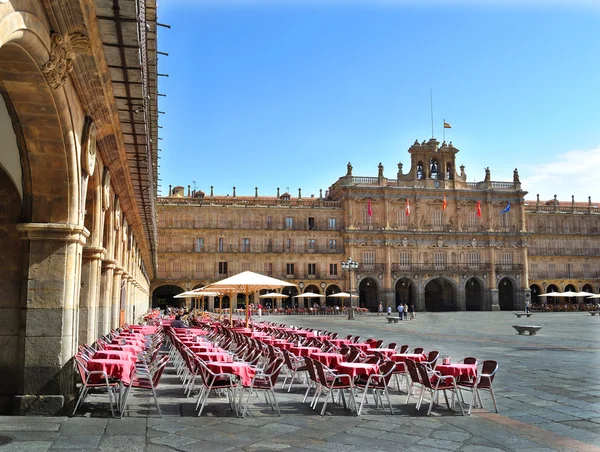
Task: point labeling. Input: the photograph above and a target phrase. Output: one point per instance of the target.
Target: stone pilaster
(90, 294)
(116, 298)
(49, 334)
(105, 302)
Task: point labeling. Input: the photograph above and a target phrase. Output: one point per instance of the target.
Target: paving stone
(125, 443)
(76, 442)
(27, 446)
(174, 441)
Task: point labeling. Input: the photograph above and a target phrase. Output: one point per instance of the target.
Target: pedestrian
(380, 309)
(400, 310)
(405, 311)
(527, 305)
(412, 311)
(389, 311)
(259, 310)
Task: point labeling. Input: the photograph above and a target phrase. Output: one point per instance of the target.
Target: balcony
(298, 224)
(370, 268)
(436, 268)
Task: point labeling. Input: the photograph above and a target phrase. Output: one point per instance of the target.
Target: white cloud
(572, 173)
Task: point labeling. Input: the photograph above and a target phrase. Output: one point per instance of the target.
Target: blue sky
(283, 94)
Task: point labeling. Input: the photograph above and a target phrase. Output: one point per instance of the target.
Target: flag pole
(431, 107)
(444, 127)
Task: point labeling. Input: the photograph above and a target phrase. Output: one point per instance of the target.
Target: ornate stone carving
(106, 190)
(63, 52)
(88, 146)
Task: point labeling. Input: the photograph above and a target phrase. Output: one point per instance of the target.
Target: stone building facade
(77, 192)
(426, 237)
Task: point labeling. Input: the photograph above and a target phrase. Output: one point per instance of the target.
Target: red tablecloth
(215, 356)
(201, 348)
(144, 329)
(305, 333)
(331, 360)
(242, 370)
(356, 369)
(362, 346)
(385, 351)
(457, 370)
(190, 332)
(128, 341)
(127, 348)
(116, 368)
(115, 354)
(339, 342)
(304, 351)
(132, 335)
(414, 356)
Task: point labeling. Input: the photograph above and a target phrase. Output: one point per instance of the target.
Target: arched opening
(549, 289)
(10, 280)
(449, 172)
(506, 295)
(367, 291)
(588, 288)
(290, 291)
(332, 289)
(440, 296)
(570, 300)
(163, 296)
(434, 169)
(420, 172)
(473, 295)
(404, 292)
(535, 293)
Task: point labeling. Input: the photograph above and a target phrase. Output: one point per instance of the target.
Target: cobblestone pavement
(547, 389)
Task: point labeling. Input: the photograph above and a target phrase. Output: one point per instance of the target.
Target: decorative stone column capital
(63, 52)
(58, 232)
(119, 270)
(109, 264)
(93, 253)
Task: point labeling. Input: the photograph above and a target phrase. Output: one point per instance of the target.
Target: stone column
(90, 292)
(210, 306)
(106, 287)
(116, 297)
(492, 284)
(387, 278)
(48, 336)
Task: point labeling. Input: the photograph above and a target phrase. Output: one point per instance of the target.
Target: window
(288, 245)
(269, 268)
(437, 219)
(176, 268)
(311, 223)
(222, 268)
(269, 222)
(333, 269)
(366, 219)
(245, 245)
(199, 245)
(311, 245)
(587, 270)
(551, 270)
(533, 268)
(505, 220)
(506, 259)
(245, 266)
(223, 223)
(289, 269)
(439, 259)
(472, 220)
(368, 257)
(312, 270)
(333, 244)
(245, 223)
(404, 259)
(332, 223)
(402, 218)
(199, 269)
(289, 222)
(220, 244)
(269, 245)
(473, 259)
(162, 269)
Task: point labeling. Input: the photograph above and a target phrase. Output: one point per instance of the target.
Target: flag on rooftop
(447, 126)
(506, 209)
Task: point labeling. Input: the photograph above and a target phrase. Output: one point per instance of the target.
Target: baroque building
(78, 119)
(426, 237)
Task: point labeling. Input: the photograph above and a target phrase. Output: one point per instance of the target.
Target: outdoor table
(357, 369)
(240, 330)
(115, 354)
(363, 346)
(304, 333)
(285, 344)
(400, 358)
(385, 351)
(144, 329)
(304, 351)
(457, 370)
(120, 369)
(190, 332)
(204, 348)
(321, 337)
(259, 335)
(127, 348)
(242, 370)
(132, 335)
(222, 357)
(126, 341)
(331, 360)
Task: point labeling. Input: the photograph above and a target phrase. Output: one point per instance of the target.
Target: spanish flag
(447, 126)
(444, 204)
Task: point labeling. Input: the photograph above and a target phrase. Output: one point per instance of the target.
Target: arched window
(434, 168)
(449, 172)
(420, 173)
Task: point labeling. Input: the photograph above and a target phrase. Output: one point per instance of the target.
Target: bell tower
(429, 160)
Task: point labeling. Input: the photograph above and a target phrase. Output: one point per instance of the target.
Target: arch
(570, 300)
(162, 296)
(440, 295)
(331, 289)
(474, 294)
(552, 288)
(434, 168)
(535, 293)
(404, 289)
(420, 170)
(49, 151)
(506, 294)
(290, 291)
(449, 172)
(312, 289)
(368, 290)
(590, 289)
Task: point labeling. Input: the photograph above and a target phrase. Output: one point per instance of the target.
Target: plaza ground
(547, 390)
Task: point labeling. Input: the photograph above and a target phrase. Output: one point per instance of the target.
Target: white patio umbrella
(273, 295)
(568, 294)
(307, 295)
(344, 295)
(595, 296)
(203, 294)
(247, 283)
(584, 294)
(550, 294)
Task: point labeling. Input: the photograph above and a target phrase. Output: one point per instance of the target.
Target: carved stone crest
(63, 52)
(404, 241)
(88, 148)
(117, 214)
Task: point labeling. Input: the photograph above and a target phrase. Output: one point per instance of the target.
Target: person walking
(400, 310)
(527, 305)
(405, 311)
(412, 311)
(380, 309)
(389, 310)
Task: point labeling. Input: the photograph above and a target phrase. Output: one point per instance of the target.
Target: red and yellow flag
(479, 209)
(444, 204)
